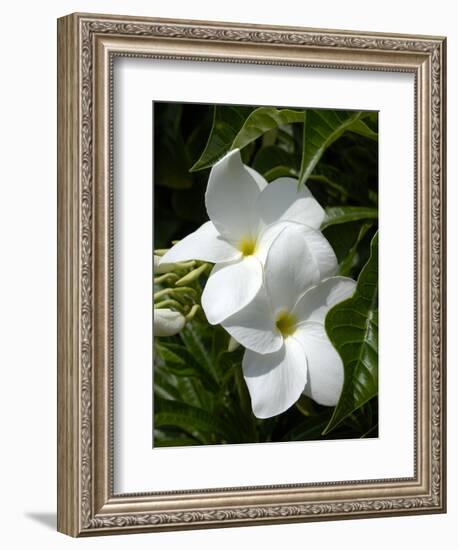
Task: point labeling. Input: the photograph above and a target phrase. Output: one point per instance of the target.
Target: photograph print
(265, 274)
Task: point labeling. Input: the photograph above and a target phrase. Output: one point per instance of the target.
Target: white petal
(283, 200)
(318, 300)
(275, 381)
(325, 368)
(266, 237)
(204, 244)
(260, 180)
(231, 287)
(230, 197)
(322, 252)
(167, 322)
(298, 258)
(254, 325)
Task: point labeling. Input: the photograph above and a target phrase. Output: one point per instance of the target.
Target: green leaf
(191, 392)
(272, 157)
(163, 383)
(198, 137)
(263, 120)
(321, 129)
(306, 406)
(171, 170)
(177, 388)
(352, 327)
(308, 430)
(371, 432)
(237, 127)
(180, 362)
(174, 439)
(348, 262)
(361, 128)
(193, 420)
(344, 214)
(342, 238)
(227, 121)
(195, 345)
(352, 188)
(280, 172)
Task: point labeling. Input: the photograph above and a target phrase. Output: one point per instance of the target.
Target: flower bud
(167, 322)
(161, 268)
(192, 275)
(233, 344)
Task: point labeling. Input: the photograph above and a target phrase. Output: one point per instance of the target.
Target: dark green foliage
(352, 327)
(200, 396)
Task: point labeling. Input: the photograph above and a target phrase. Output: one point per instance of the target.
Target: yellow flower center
(247, 246)
(286, 323)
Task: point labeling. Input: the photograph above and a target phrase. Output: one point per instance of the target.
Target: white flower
(288, 351)
(167, 322)
(243, 212)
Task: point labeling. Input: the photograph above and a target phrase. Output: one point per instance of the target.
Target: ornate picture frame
(87, 45)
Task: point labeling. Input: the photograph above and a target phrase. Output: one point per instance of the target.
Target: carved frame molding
(87, 45)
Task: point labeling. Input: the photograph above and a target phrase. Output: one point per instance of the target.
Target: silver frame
(87, 45)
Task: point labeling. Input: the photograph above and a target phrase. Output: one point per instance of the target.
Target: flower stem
(191, 276)
(174, 292)
(170, 303)
(195, 308)
(167, 276)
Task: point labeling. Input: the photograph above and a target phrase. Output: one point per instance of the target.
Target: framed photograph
(251, 290)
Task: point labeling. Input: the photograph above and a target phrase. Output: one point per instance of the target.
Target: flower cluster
(178, 294)
(272, 283)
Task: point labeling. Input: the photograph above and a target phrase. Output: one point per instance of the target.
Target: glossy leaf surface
(352, 327)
